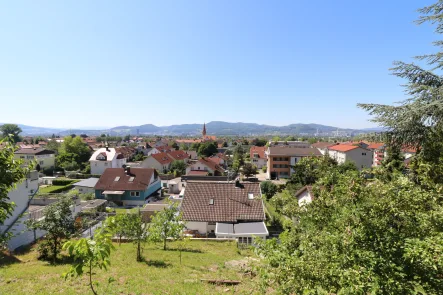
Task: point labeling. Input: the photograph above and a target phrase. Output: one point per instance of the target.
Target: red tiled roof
(38, 151)
(215, 159)
(165, 149)
(343, 147)
(303, 189)
(375, 145)
(162, 158)
(142, 178)
(178, 155)
(231, 204)
(260, 150)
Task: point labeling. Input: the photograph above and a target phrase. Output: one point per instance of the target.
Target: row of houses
(278, 157)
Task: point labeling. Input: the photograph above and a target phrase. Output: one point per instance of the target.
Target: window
(29, 157)
(131, 179)
(250, 196)
(363, 154)
(117, 178)
(135, 194)
(41, 162)
(211, 201)
(106, 163)
(22, 157)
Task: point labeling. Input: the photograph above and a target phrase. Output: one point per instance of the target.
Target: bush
(62, 181)
(43, 249)
(264, 169)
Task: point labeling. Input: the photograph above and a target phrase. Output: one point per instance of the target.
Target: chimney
(237, 184)
(107, 149)
(128, 170)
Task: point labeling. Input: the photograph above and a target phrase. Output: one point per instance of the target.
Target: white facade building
(105, 158)
(362, 158)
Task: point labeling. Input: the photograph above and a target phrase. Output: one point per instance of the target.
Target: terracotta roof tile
(162, 158)
(343, 147)
(231, 204)
(260, 150)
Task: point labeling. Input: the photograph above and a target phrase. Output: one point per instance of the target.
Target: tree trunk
(54, 251)
(90, 278)
(139, 256)
(180, 256)
(164, 244)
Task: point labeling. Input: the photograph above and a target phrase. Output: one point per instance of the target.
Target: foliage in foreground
(361, 238)
(90, 254)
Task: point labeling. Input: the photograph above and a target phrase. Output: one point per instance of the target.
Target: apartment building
(43, 157)
(361, 157)
(281, 158)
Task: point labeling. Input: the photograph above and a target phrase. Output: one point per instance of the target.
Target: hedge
(62, 181)
(55, 189)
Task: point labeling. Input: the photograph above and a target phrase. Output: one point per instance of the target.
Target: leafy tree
(276, 138)
(207, 149)
(119, 225)
(166, 223)
(178, 167)
(268, 188)
(418, 121)
(175, 146)
(136, 230)
(290, 138)
(249, 169)
(182, 244)
(53, 145)
(355, 238)
(12, 131)
(90, 254)
(225, 144)
(195, 146)
(59, 225)
(312, 140)
(12, 173)
(259, 141)
(127, 137)
(77, 147)
(103, 135)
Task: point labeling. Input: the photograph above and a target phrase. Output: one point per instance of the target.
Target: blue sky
(107, 63)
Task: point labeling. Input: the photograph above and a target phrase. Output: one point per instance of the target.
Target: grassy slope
(161, 274)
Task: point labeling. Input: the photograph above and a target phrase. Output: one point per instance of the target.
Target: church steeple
(204, 130)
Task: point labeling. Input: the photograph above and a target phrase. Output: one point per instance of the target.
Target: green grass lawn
(50, 189)
(160, 274)
(124, 211)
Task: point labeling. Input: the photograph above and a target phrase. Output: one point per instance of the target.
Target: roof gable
(119, 179)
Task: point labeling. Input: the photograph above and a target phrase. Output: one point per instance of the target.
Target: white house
(225, 210)
(361, 157)
(86, 185)
(105, 158)
(258, 156)
(160, 162)
(304, 195)
(205, 165)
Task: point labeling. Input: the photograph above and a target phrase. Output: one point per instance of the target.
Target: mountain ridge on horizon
(213, 127)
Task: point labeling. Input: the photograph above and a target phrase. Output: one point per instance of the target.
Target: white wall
(361, 157)
(304, 198)
(201, 227)
(85, 189)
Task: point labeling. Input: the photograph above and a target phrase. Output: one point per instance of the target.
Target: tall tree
(12, 173)
(207, 149)
(178, 167)
(165, 224)
(11, 130)
(418, 121)
(249, 169)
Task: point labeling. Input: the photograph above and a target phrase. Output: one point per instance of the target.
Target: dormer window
(250, 196)
(131, 179)
(211, 201)
(117, 178)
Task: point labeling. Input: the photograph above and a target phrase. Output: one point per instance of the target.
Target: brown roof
(142, 178)
(39, 151)
(215, 159)
(322, 145)
(165, 149)
(162, 158)
(126, 151)
(293, 151)
(260, 150)
(305, 188)
(178, 155)
(343, 147)
(210, 164)
(231, 204)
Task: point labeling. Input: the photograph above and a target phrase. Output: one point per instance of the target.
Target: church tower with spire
(204, 130)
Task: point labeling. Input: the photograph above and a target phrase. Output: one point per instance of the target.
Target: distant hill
(214, 128)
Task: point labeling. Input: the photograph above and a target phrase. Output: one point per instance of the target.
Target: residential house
(206, 166)
(258, 157)
(86, 185)
(408, 152)
(160, 149)
(304, 195)
(220, 161)
(105, 158)
(192, 155)
(127, 187)
(322, 146)
(160, 162)
(178, 156)
(299, 144)
(43, 157)
(378, 152)
(361, 157)
(281, 158)
(225, 210)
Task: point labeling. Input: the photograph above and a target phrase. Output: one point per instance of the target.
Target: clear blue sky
(106, 63)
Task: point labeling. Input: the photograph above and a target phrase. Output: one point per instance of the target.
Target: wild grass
(159, 273)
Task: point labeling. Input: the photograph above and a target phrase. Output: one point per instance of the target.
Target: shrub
(62, 181)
